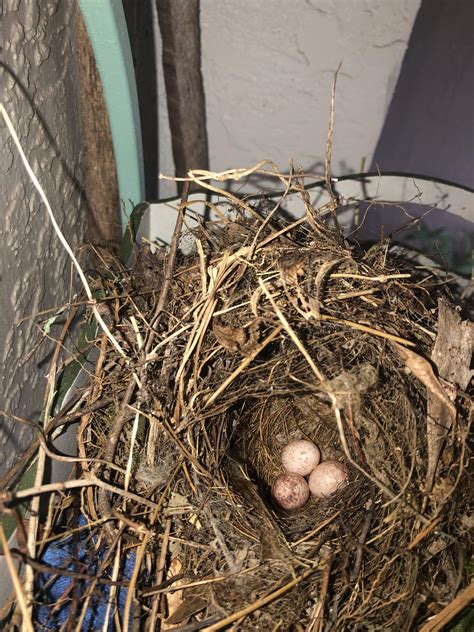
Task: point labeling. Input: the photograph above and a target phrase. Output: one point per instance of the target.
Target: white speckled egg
(326, 478)
(300, 457)
(290, 491)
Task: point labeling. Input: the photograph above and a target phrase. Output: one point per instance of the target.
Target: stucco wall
(268, 68)
(38, 86)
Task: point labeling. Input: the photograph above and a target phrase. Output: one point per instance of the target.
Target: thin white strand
(62, 239)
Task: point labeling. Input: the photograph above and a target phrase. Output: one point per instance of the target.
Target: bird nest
(263, 330)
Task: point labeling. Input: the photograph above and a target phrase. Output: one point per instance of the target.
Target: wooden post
(180, 32)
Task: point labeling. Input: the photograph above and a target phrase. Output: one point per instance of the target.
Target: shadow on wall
(429, 126)
(429, 129)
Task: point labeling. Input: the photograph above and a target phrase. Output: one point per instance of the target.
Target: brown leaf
(291, 265)
(441, 412)
(422, 369)
(272, 540)
(241, 339)
(232, 338)
(173, 599)
(190, 606)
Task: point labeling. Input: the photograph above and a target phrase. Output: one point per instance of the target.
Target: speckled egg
(300, 457)
(326, 478)
(290, 491)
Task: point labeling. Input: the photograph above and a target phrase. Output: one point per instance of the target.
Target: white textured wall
(268, 67)
(38, 86)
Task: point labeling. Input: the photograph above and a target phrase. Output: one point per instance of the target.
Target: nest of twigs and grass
(262, 331)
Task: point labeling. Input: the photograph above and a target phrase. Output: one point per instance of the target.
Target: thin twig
(367, 329)
(286, 325)
(9, 497)
(439, 621)
(27, 626)
(242, 366)
(260, 603)
(169, 269)
(159, 575)
(328, 153)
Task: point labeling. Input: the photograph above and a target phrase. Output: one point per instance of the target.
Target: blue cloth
(74, 554)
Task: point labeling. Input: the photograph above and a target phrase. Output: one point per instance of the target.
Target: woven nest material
(266, 331)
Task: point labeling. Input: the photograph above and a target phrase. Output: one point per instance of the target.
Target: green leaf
(8, 522)
(131, 232)
(464, 622)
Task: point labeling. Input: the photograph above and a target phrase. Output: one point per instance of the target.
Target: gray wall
(38, 86)
(405, 100)
(268, 68)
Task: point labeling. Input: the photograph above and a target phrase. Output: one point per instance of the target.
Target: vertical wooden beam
(98, 161)
(180, 32)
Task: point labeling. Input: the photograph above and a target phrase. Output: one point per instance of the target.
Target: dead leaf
(441, 412)
(241, 339)
(273, 543)
(231, 338)
(321, 276)
(190, 606)
(173, 599)
(291, 265)
(422, 369)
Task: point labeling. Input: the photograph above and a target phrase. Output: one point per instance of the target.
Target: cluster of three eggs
(302, 458)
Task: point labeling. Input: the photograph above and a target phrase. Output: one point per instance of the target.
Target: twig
(381, 278)
(133, 580)
(450, 611)
(169, 269)
(54, 570)
(221, 541)
(8, 497)
(291, 333)
(159, 575)
(199, 176)
(26, 625)
(111, 445)
(42, 442)
(91, 584)
(273, 211)
(133, 438)
(260, 603)
(244, 364)
(34, 509)
(367, 329)
(315, 531)
(421, 535)
(113, 588)
(317, 623)
(361, 541)
(379, 484)
(328, 153)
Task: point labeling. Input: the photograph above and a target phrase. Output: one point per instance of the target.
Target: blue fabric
(73, 553)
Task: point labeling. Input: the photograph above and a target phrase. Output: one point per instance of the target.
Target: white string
(63, 240)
